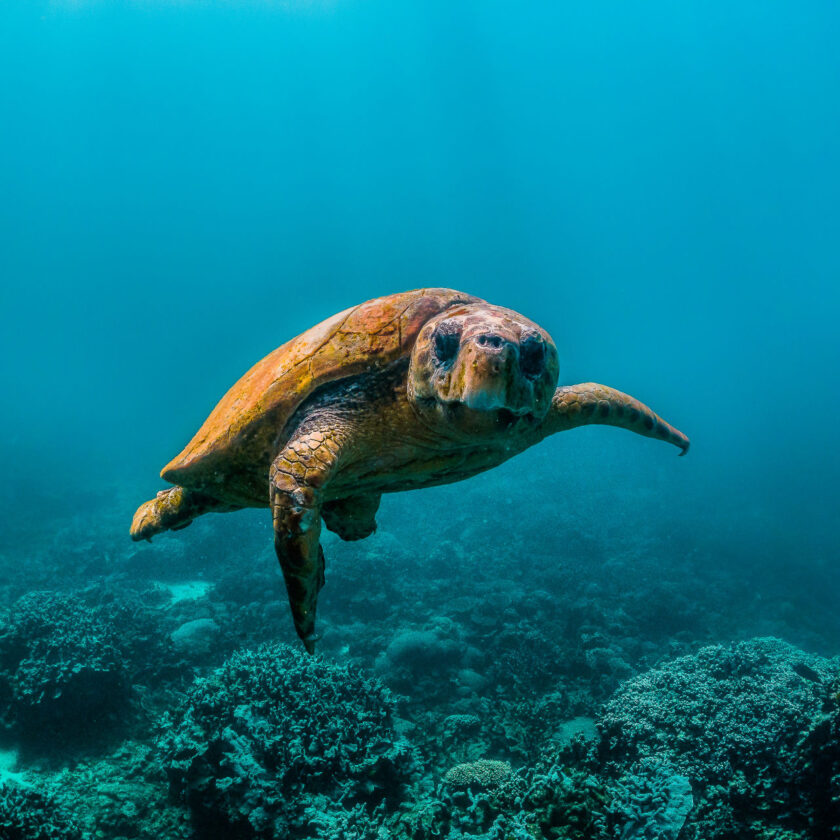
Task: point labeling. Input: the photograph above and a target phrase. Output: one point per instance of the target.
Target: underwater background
(596, 639)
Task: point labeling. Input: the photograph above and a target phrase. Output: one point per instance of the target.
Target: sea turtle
(411, 390)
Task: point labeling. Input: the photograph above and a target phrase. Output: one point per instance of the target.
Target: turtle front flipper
(588, 403)
(297, 481)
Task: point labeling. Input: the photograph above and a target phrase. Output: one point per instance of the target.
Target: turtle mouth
(507, 418)
(499, 418)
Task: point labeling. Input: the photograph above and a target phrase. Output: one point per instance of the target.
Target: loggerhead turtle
(406, 391)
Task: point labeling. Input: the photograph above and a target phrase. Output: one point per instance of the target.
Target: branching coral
(273, 728)
(725, 709)
(62, 667)
(745, 723)
(649, 802)
(28, 814)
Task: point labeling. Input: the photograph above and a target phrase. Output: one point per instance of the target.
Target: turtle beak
(489, 366)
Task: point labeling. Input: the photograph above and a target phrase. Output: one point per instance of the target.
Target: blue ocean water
(186, 185)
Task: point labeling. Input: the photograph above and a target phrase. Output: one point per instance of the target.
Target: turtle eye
(532, 357)
(447, 342)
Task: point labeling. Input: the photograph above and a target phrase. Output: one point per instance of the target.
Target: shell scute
(230, 454)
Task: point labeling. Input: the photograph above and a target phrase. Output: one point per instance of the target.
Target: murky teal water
(184, 186)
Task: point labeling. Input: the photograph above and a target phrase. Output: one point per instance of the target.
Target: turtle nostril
(494, 341)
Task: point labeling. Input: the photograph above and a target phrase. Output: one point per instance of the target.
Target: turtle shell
(230, 455)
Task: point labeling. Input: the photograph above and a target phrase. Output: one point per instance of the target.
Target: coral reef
(62, 667)
(273, 728)
(590, 691)
(29, 814)
(478, 775)
(122, 794)
(723, 710)
(649, 802)
(744, 723)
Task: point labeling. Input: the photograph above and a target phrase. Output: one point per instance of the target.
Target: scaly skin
(296, 492)
(172, 510)
(590, 403)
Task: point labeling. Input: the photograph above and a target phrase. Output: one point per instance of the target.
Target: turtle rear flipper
(172, 510)
(353, 518)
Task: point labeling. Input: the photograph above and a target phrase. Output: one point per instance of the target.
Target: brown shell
(238, 441)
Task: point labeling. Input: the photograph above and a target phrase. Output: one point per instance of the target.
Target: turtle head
(481, 368)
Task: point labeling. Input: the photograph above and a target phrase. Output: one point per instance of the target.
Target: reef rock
(197, 637)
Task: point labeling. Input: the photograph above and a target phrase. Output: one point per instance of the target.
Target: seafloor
(503, 662)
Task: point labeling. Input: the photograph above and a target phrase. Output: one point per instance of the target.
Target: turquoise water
(184, 186)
